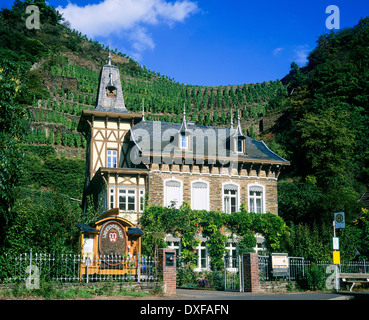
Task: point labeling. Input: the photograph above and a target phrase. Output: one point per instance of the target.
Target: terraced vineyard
(54, 121)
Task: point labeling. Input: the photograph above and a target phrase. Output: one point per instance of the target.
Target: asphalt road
(186, 294)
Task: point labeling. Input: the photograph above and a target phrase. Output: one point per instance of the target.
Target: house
(211, 168)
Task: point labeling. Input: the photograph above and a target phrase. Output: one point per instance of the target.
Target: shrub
(315, 278)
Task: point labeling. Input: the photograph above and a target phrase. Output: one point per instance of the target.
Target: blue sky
(210, 42)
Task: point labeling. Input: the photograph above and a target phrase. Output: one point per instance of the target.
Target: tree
(12, 130)
(327, 143)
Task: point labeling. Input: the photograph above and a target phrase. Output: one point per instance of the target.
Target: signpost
(338, 223)
(339, 220)
(336, 243)
(336, 258)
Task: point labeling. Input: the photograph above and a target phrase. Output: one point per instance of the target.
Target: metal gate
(233, 273)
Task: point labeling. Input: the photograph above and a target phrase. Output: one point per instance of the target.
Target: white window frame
(141, 199)
(112, 154)
(239, 143)
(249, 197)
(175, 244)
(260, 240)
(232, 252)
(180, 200)
(207, 194)
(184, 141)
(111, 197)
(237, 196)
(127, 195)
(202, 247)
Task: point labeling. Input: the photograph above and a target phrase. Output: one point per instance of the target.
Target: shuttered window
(200, 196)
(173, 194)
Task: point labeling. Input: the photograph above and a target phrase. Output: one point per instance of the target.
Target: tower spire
(143, 109)
(184, 122)
(109, 58)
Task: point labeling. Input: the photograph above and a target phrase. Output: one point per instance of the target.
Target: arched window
(256, 197)
(173, 193)
(231, 197)
(200, 195)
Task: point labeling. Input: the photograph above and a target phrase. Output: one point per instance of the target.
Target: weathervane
(109, 58)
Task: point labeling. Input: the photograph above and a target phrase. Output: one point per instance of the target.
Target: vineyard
(54, 120)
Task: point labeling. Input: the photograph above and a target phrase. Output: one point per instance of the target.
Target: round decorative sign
(339, 218)
(112, 242)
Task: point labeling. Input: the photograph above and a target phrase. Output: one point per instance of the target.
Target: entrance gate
(233, 273)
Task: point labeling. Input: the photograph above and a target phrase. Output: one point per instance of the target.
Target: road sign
(336, 257)
(339, 220)
(336, 243)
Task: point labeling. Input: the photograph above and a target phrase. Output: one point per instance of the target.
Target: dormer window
(184, 141)
(236, 141)
(240, 145)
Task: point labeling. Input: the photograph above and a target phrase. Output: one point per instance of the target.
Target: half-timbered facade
(211, 168)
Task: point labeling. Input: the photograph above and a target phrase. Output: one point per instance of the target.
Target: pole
(87, 265)
(335, 266)
(225, 273)
(239, 273)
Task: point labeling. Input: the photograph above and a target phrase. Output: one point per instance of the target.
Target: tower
(111, 179)
(110, 94)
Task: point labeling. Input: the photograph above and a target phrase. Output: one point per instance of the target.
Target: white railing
(298, 267)
(77, 268)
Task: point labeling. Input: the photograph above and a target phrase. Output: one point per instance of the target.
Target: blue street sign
(339, 220)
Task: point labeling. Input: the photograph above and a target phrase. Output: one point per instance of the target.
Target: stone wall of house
(157, 178)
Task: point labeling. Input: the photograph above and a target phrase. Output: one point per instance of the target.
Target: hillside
(316, 117)
(72, 81)
(63, 79)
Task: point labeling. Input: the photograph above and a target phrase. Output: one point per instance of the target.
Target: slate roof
(106, 109)
(255, 150)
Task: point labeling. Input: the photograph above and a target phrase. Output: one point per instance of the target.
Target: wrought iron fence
(299, 267)
(77, 268)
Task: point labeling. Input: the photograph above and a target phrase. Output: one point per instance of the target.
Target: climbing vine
(185, 223)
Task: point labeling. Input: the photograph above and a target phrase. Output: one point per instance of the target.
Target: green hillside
(317, 117)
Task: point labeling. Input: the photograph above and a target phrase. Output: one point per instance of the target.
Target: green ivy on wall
(156, 222)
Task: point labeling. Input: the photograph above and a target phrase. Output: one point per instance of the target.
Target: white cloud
(127, 18)
(301, 54)
(276, 51)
